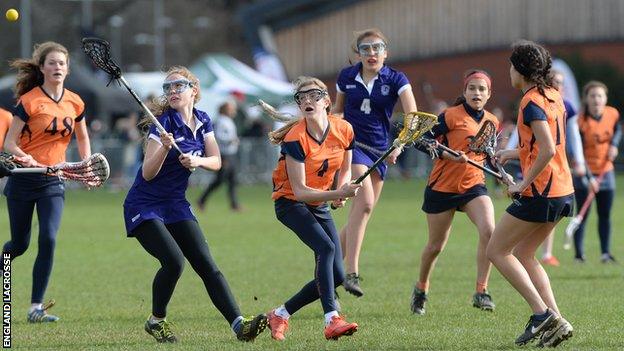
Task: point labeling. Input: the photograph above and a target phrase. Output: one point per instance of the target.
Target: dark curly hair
(533, 62)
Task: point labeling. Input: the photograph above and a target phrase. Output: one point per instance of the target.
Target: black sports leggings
(170, 244)
(315, 227)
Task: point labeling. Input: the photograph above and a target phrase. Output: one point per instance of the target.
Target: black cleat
(352, 284)
(419, 298)
(607, 258)
(554, 336)
(483, 301)
(161, 331)
(535, 328)
(252, 327)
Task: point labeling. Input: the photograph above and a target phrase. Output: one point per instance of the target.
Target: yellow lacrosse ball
(12, 15)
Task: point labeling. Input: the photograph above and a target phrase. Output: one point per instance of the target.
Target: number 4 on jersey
(365, 107)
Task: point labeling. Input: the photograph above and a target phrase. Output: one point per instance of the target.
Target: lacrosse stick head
(93, 171)
(415, 125)
(485, 140)
(98, 51)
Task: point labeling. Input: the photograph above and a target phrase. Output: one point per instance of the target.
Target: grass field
(102, 280)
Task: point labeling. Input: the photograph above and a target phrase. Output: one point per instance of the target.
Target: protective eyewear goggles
(312, 94)
(371, 49)
(176, 86)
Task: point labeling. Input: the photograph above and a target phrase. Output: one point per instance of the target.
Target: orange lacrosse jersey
(597, 135)
(454, 177)
(6, 118)
(49, 124)
(555, 180)
(321, 158)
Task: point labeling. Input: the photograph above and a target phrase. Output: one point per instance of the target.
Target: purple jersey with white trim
(172, 180)
(369, 109)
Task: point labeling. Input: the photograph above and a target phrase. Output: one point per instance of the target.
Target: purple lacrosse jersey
(163, 197)
(369, 108)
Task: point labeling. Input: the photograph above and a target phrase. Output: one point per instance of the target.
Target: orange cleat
(339, 327)
(278, 326)
(551, 261)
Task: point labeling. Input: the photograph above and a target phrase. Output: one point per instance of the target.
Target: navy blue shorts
(542, 209)
(438, 201)
(169, 212)
(366, 157)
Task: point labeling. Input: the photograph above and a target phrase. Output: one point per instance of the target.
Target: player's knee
(434, 249)
(15, 248)
(174, 266)
(326, 248)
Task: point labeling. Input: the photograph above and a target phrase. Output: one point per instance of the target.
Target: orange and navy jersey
(49, 124)
(457, 125)
(6, 118)
(598, 135)
(321, 158)
(555, 180)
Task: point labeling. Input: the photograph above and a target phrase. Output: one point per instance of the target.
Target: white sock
(281, 311)
(35, 306)
(329, 316)
(154, 320)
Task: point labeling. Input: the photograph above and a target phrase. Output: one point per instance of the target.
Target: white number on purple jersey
(365, 107)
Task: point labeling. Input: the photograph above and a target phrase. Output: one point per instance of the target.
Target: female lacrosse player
(541, 199)
(314, 148)
(455, 185)
(157, 213)
(601, 133)
(47, 115)
(366, 94)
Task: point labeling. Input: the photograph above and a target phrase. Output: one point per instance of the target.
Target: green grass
(102, 283)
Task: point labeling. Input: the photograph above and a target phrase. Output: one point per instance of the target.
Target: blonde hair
(277, 136)
(370, 32)
(29, 74)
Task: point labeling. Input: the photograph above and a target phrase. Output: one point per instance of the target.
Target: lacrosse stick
(432, 145)
(578, 219)
(98, 51)
(415, 125)
(485, 143)
(92, 172)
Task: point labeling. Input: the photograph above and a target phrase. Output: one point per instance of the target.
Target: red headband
(478, 75)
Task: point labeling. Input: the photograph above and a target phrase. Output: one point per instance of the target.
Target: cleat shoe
(535, 328)
(252, 327)
(551, 261)
(483, 301)
(554, 336)
(607, 258)
(352, 284)
(161, 331)
(419, 298)
(579, 259)
(339, 327)
(40, 315)
(278, 326)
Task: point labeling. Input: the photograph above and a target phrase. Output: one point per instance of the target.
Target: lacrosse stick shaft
(471, 162)
(151, 116)
(372, 168)
(36, 170)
